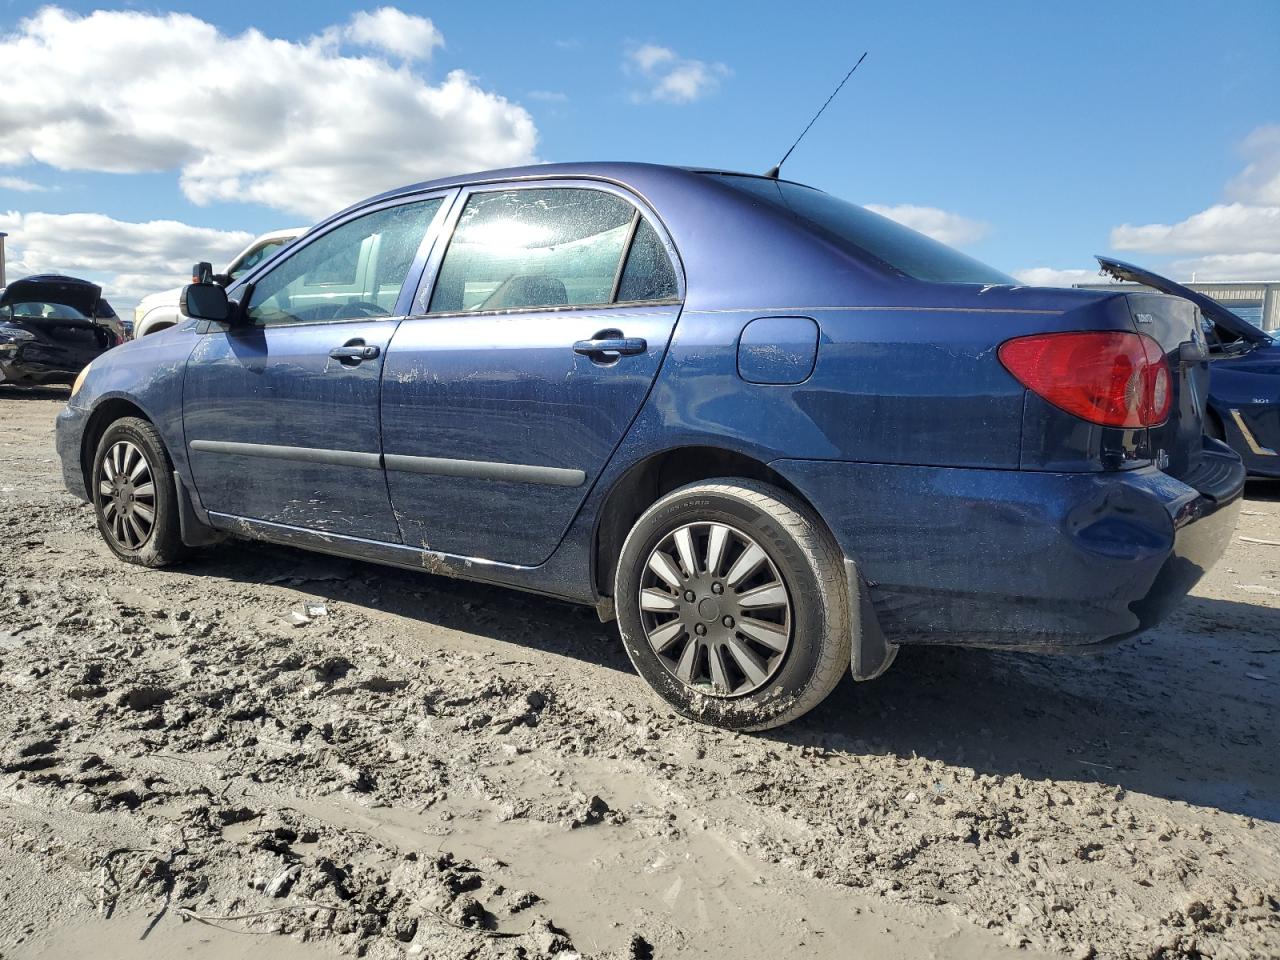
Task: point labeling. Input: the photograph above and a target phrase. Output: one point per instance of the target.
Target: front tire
(732, 603)
(134, 496)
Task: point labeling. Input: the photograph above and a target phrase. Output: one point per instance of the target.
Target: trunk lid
(1236, 327)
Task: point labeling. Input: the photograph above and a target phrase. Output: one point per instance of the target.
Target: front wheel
(134, 496)
(733, 605)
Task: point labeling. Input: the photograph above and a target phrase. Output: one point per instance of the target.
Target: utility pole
(2, 236)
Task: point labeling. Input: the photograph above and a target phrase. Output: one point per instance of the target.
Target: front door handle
(355, 351)
(607, 345)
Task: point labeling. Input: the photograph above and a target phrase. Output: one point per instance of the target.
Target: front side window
(353, 271)
(555, 247)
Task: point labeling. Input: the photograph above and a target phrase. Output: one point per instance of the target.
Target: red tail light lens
(1109, 378)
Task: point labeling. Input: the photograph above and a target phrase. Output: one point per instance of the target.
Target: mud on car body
(775, 434)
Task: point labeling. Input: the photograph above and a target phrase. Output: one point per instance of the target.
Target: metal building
(1257, 301)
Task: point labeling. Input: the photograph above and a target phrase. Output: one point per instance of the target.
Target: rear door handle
(354, 351)
(609, 345)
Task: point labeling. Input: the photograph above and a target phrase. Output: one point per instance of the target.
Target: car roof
(734, 251)
(626, 172)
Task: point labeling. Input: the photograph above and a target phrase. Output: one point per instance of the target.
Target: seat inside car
(527, 290)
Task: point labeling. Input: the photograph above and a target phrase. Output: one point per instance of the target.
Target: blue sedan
(773, 434)
(1244, 391)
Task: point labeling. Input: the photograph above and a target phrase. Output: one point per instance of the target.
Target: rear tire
(134, 496)
(733, 605)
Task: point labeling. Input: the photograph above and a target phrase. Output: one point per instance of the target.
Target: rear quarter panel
(891, 384)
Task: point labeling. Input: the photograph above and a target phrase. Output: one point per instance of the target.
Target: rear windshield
(867, 233)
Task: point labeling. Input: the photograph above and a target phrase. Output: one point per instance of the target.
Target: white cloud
(297, 126)
(1052, 277)
(1259, 181)
(651, 55)
(21, 185)
(1229, 266)
(129, 260)
(548, 96)
(672, 78)
(1222, 228)
(393, 31)
(942, 225)
(1239, 240)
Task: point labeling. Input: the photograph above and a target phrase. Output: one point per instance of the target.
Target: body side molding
(272, 451)
(486, 470)
(439, 466)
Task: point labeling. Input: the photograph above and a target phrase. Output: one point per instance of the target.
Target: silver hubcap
(126, 495)
(715, 609)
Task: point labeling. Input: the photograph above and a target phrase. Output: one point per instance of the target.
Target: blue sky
(1033, 130)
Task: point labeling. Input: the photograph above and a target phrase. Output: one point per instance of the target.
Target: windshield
(867, 233)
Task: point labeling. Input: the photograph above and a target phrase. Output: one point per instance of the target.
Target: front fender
(146, 374)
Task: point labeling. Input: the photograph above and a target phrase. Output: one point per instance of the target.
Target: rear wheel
(732, 604)
(134, 496)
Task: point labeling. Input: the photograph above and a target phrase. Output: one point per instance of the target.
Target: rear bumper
(1022, 559)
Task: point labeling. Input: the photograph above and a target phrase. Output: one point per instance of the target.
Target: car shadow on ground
(1174, 713)
(9, 391)
(1186, 712)
(1262, 489)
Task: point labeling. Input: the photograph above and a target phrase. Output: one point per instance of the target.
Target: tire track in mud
(436, 766)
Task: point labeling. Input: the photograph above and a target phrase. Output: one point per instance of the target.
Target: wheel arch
(105, 413)
(648, 480)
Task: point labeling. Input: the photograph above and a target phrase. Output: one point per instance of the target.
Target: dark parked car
(775, 434)
(51, 327)
(1244, 389)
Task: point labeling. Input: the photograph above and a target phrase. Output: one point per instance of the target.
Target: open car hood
(1211, 308)
(79, 295)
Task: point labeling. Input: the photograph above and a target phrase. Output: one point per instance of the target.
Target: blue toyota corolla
(773, 433)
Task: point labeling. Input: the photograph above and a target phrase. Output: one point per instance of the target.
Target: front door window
(354, 271)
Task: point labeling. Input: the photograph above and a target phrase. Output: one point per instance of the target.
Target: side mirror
(205, 301)
(222, 279)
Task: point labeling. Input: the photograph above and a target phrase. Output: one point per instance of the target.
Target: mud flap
(870, 653)
(193, 531)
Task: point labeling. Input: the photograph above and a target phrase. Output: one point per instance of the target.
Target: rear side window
(864, 232)
(648, 274)
(558, 247)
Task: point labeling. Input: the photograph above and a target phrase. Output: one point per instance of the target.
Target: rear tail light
(1109, 378)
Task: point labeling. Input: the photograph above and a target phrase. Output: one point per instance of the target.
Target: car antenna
(776, 170)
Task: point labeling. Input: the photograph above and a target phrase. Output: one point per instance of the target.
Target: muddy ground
(438, 769)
